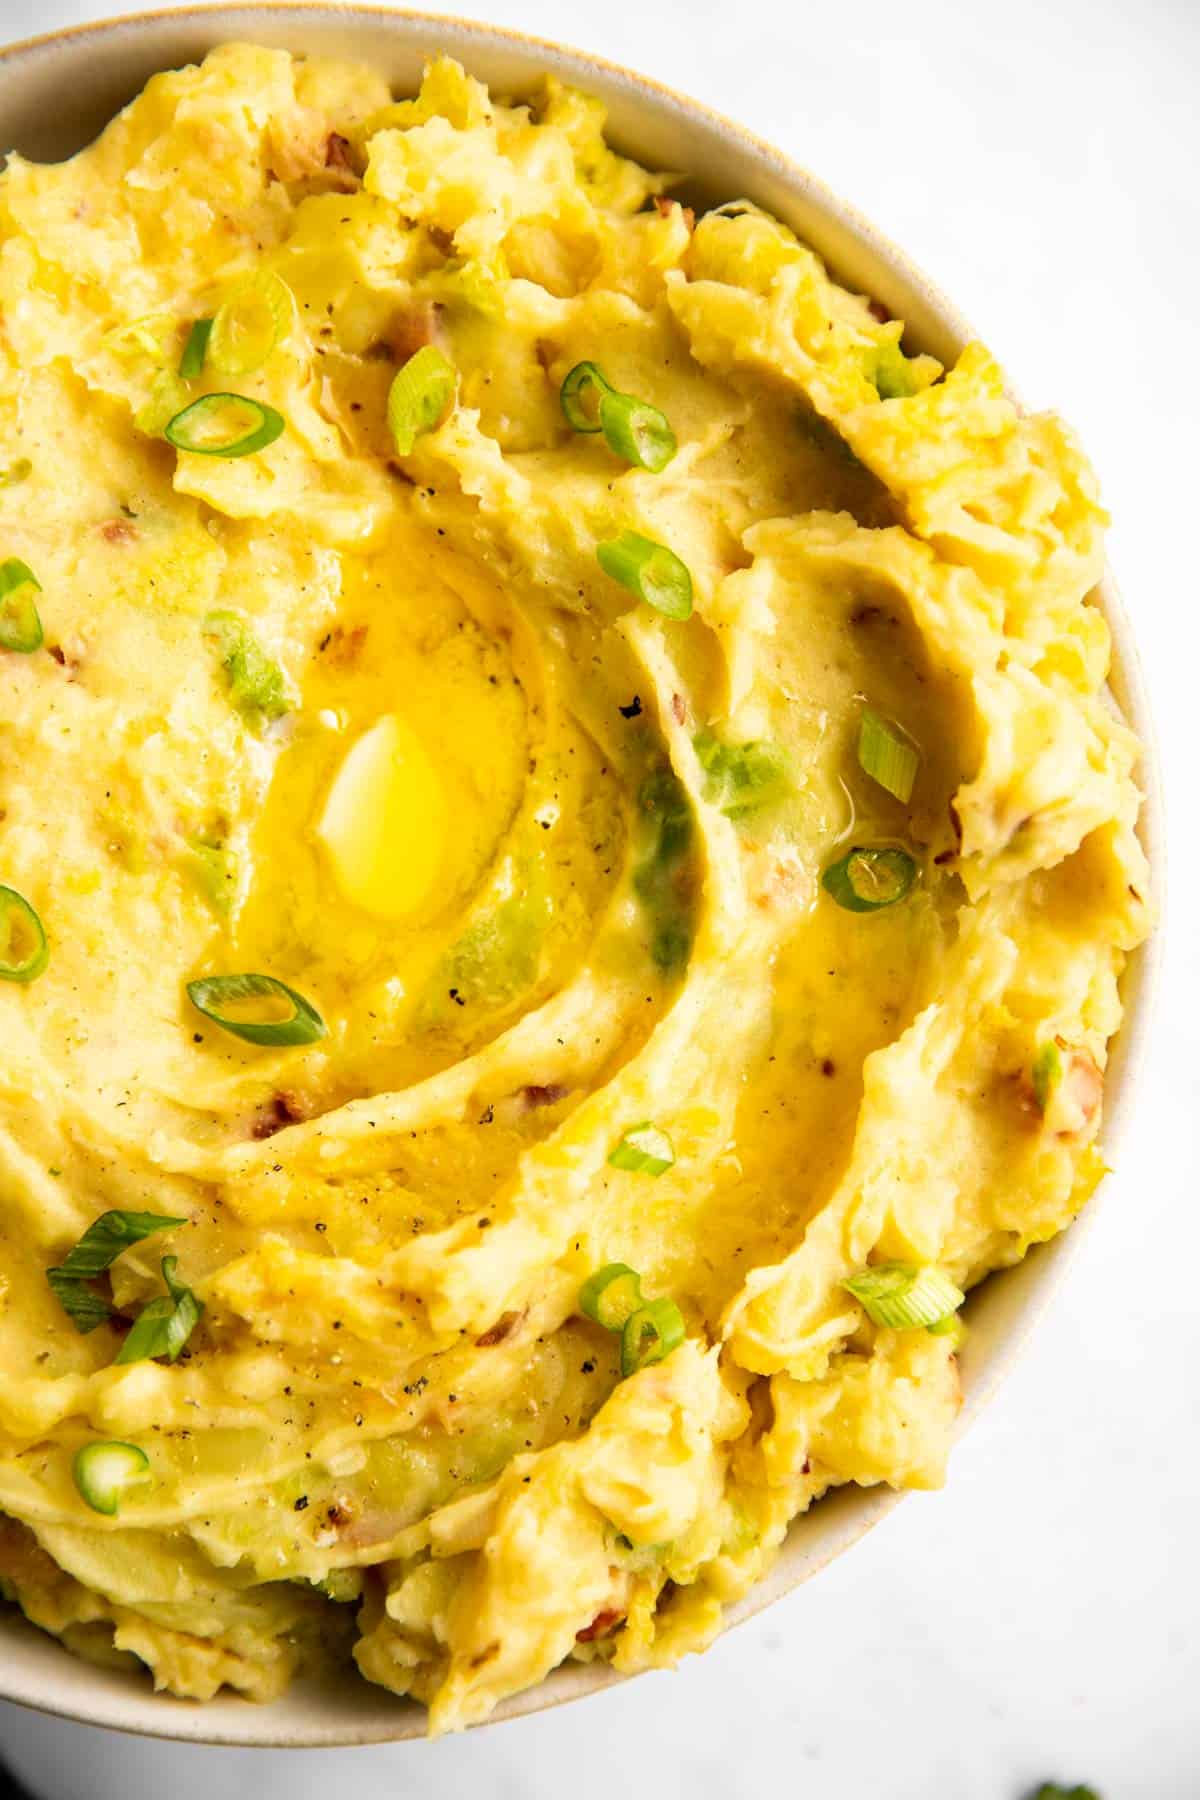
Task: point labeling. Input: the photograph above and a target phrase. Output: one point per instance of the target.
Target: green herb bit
(257, 685)
(214, 871)
(644, 1149)
(663, 798)
(611, 1295)
(107, 1473)
(98, 1248)
(167, 397)
(633, 428)
(663, 802)
(891, 372)
(475, 283)
(191, 363)
(165, 1324)
(650, 1334)
(254, 319)
(226, 425)
(20, 621)
(1050, 1790)
(739, 777)
(420, 397)
(343, 1585)
(637, 431)
(868, 880)
(247, 1006)
(887, 757)
(16, 473)
(670, 946)
(648, 571)
(901, 1296)
(24, 951)
(1047, 1073)
(581, 394)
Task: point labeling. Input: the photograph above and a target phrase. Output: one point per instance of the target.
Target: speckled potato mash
(644, 735)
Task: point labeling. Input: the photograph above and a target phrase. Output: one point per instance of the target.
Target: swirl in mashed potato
(548, 864)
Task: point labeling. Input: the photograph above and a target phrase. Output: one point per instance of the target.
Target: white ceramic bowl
(55, 94)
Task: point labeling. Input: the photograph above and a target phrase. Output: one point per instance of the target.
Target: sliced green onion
(645, 1149)
(950, 1326)
(649, 571)
(420, 396)
(902, 1296)
(107, 1236)
(82, 1304)
(637, 431)
(106, 1473)
(611, 1295)
(1050, 1790)
(226, 1000)
(250, 324)
(257, 685)
(168, 393)
(474, 282)
(739, 777)
(20, 621)
(16, 473)
(867, 880)
(24, 951)
(224, 425)
(213, 868)
(151, 336)
(891, 372)
(165, 1323)
(191, 363)
(98, 1248)
(581, 394)
(885, 756)
(1047, 1073)
(650, 1334)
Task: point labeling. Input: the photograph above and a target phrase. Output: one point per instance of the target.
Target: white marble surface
(1038, 1617)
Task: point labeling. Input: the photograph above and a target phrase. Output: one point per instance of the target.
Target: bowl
(56, 93)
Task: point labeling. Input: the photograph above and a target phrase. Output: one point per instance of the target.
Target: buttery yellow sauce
(555, 872)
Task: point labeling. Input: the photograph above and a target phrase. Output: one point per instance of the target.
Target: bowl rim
(121, 1703)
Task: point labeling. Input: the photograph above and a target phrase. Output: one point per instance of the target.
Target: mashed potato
(648, 735)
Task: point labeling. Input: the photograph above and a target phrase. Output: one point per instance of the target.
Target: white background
(1041, 159)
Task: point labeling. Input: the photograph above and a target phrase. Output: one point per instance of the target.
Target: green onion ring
(20, 621)
(637, 431)
(250, 323)
(650, 1334)
(581, 396)
(105, 1473)
(165, 1324)
(15, 912)
(420, 396)
(212, 993)
(198, 427)
(611, 1295)
(886, 756)
(645, 1149)
(867, 880)
(649, 571)
(904, 1296)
